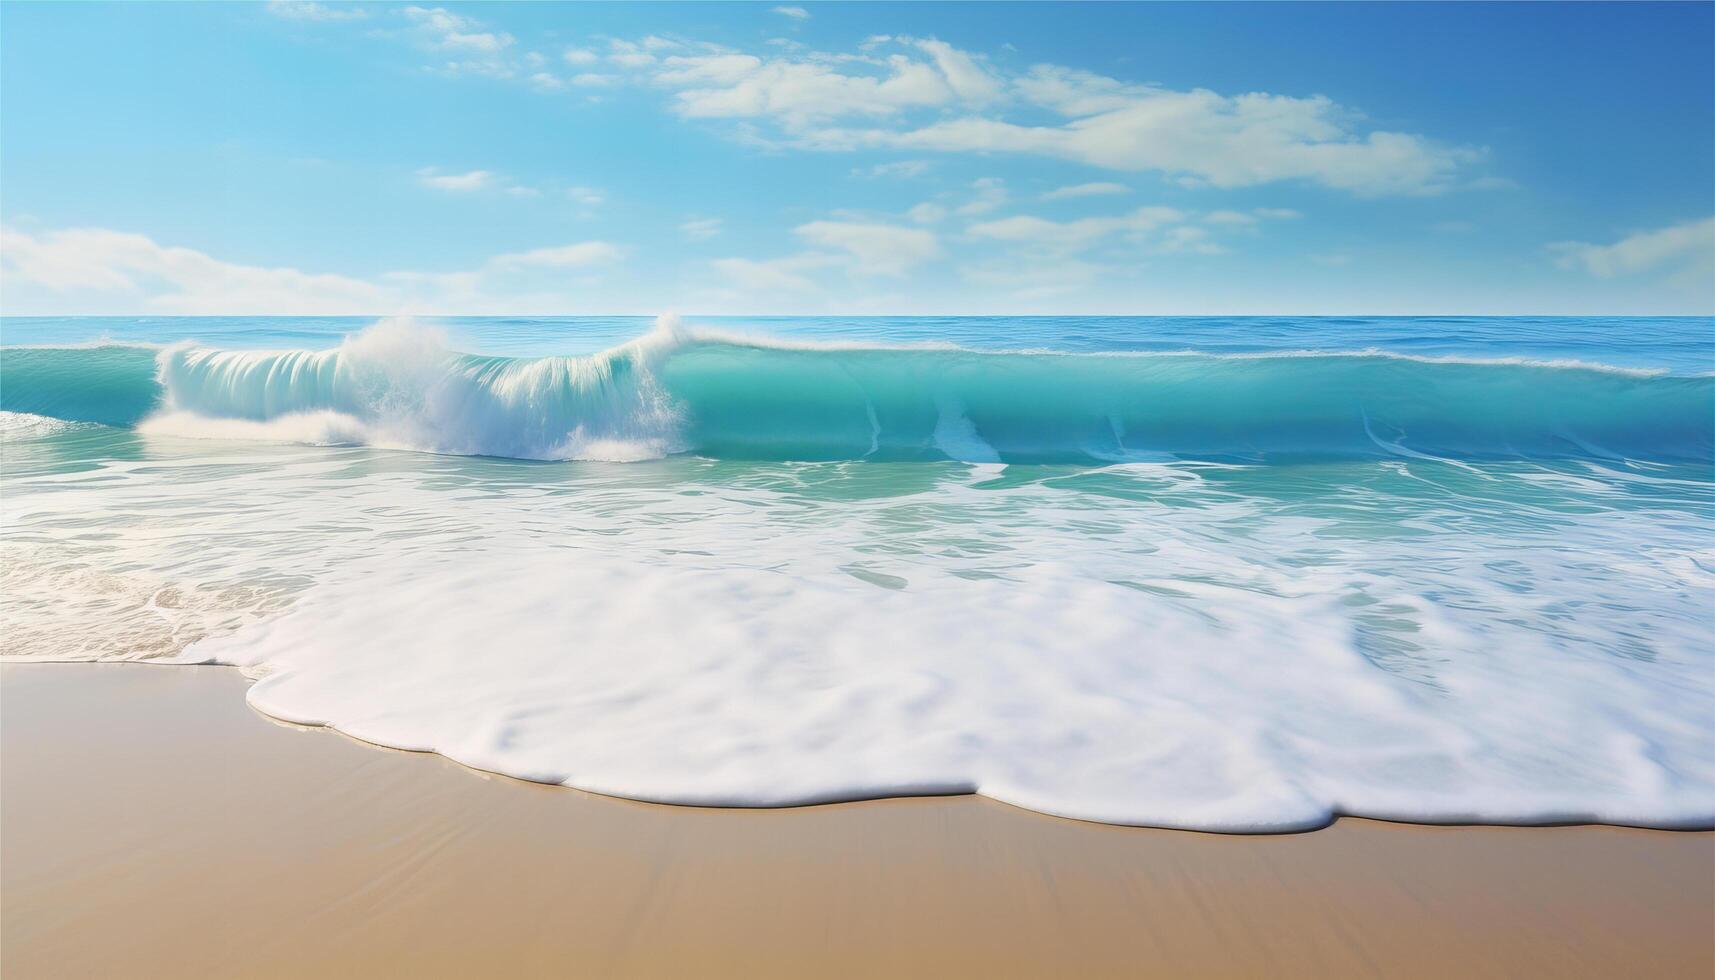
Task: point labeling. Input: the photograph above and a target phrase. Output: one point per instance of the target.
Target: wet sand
(155, 826)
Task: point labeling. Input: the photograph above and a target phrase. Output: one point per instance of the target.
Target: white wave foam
(23, 425)
(1214, 646)
(304, 428)
(1196, 705)
(400, 387)
(682, 335)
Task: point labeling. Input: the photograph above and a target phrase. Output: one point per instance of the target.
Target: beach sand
(156, 826)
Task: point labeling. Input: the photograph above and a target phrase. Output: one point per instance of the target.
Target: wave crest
(680, 388)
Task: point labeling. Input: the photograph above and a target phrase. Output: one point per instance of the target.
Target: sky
(496, 158)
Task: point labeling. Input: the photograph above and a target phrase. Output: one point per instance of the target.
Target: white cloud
(802, 90)
(1211, 140)
(1200, 137)
(174, 280)
(899, 168)
(1074, 236)
(715, 86)
(444, 30)
(99, 270)
(473, 180)
(968, 79)
(796, 13)
(1188, 239)
(775, 275)
(1250, 217)
(639, 54)
(1197, 137)
(700, 229)
(988, 193)
(1086, 190)
(587, 196)
(558, 256)
(923, 94)
(1691, 245)
(876, 249)
(928, 213)
(312, 11)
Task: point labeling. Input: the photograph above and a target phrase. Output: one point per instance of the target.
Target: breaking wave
(684, 389)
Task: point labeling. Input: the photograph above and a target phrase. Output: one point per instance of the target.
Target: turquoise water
(1682, 345)
(1215, 573)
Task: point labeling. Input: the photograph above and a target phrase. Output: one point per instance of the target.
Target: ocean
(1237, 574)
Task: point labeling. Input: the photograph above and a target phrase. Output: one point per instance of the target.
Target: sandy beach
(156, 826)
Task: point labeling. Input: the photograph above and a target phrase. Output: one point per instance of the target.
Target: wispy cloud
(1074, 236)
(1689, 244)
(591, 79)
(587, 196)
(987, 194)
(309, 10)
(877, 97)
(1251, 217)
(558, 257)
(1202, 138)
(444, 30)
(102, 270)
(863, 249)
(470, 180)
(1086, 190)
(796, 13)
(897, 92)
(760, 277)
(876, 249)
(700, 229)
(174, 280)
(928, 213)
(898, 168)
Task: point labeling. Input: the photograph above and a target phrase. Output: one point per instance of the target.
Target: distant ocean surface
(1216, 573)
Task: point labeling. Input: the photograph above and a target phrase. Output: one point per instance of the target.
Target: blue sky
(855, 158)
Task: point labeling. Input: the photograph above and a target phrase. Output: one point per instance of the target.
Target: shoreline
(156, 825)
(1683, 827)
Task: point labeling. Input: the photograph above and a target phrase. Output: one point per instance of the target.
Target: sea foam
(1164, 702)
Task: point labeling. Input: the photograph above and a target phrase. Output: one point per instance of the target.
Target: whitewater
(1214, 574)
